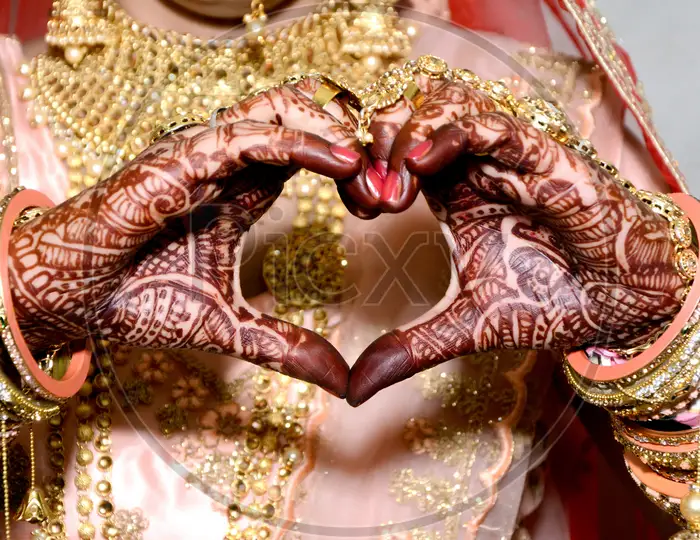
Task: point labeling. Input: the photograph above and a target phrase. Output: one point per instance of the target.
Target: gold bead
(292, 455)
(86, 531)
(274, 493)
(302, 408)
(268, 511)
(55, 527)
(55, 441)
(103, 443)
(239, 487)
(84, 457)
(110, 531)
(259, 487)
(104, 463)
(85, 389)
(74, 55)
(105, 509)
(83, 481)
(84, 506)
(84, 411)
(234, 511)
(103, 421)
(102, 382)
(690, 508)
(104, 400)
(252, 442)
(103, 487)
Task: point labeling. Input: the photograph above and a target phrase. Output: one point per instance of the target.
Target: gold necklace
(117, 80)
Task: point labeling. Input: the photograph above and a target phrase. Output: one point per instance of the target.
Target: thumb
(444, 333)
(291, 350)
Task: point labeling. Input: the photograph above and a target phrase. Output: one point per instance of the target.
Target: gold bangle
(663, 388)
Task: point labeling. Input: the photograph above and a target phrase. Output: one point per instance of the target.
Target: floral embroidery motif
(130, 523)
(477, 397)
(189, 393)
(154, 367)
(220, 424)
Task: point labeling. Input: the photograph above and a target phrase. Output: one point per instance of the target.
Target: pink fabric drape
(522, 20)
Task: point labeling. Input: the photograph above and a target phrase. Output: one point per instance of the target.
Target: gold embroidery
(600, 38)
(560, 75)
(477, 398)
(244, 441)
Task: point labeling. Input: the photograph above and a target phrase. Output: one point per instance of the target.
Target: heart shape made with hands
(150, 257)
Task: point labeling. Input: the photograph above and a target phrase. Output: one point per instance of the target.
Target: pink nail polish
(392, 187)
(381, 167)
(344, 154)
(420, 150)
(374, 183)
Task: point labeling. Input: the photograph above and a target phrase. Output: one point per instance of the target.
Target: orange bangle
(604, 380)
(42, 383)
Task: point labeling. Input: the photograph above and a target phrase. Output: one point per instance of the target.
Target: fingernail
(381, 167)
(392, 186)
(420, 150)
(374, 183)
(344, 154)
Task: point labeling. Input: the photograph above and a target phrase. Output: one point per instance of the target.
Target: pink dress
(456, 452)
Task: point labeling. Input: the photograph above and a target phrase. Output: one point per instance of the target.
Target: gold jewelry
(77, 26)
(33, 508)
(325, 94)
(690, 504)
(5, 477)
(180, 123)
(256, 19)
(663, 387)
(103, 110)
(641, 435)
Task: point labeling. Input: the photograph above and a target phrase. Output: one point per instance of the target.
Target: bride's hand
(549, 252)
(400, 128)
(150, 256)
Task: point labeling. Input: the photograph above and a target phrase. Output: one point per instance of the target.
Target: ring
(325, 94)
(180, 123)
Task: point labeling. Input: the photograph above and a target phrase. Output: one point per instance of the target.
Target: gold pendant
(33, 508)
(76, 27)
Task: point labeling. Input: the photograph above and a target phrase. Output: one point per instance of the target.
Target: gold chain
(5, 477)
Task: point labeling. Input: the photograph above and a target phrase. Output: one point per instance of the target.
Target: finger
(441, 335)
(388, 122)
(384, 128)
(291, 350)
(532, 171)
(232, 147)
(294, 108)
(447, 104)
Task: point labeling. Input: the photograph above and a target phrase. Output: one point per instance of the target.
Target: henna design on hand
(401, 128)
(148, 257)
(549, 251)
